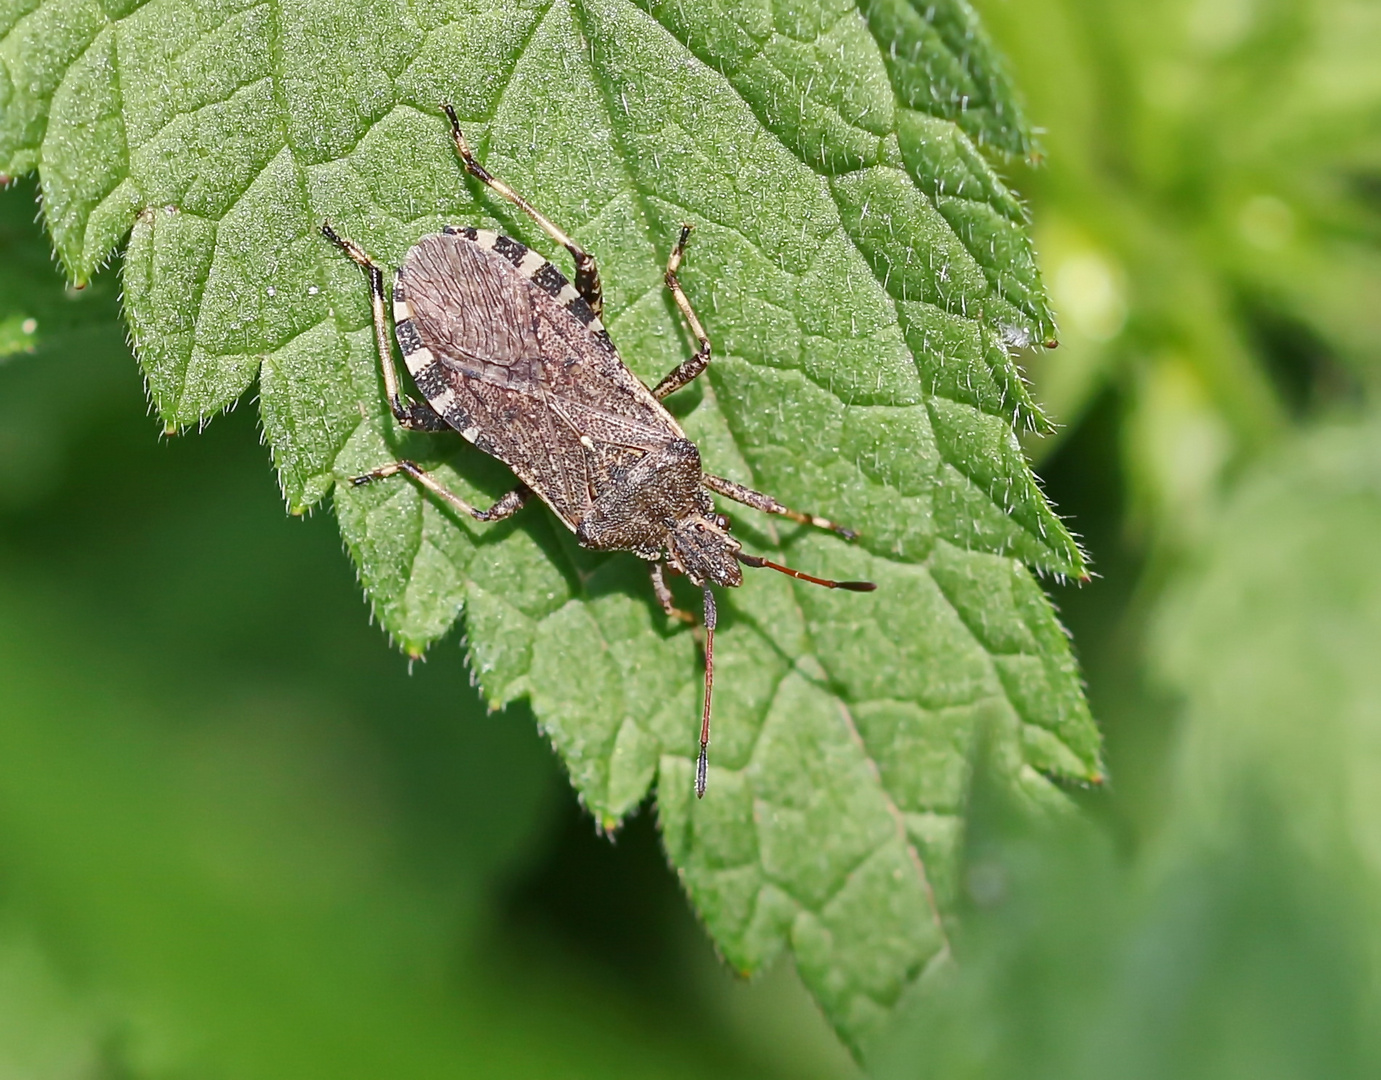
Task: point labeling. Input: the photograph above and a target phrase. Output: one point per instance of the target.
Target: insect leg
(664, 597)
(410, 414)
(758, 501)
(687, 369)
(506, 506)
(587, 282)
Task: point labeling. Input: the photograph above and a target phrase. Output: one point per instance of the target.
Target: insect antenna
(758, 562)
(702, 764)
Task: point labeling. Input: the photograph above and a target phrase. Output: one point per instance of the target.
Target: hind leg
(587, 282)
(413, 415)
(690, 369)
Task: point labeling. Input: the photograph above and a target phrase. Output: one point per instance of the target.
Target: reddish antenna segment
(852, 586)
(702, 764)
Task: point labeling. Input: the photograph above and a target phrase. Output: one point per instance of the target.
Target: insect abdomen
(507, 352)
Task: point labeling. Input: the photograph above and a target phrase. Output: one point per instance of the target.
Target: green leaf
(865, 276)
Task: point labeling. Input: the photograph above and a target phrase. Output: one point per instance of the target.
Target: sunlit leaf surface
(864, 274)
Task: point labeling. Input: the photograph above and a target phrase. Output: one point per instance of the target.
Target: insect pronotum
(506, 351)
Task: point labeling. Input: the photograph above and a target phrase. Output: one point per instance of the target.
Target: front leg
(664, 597)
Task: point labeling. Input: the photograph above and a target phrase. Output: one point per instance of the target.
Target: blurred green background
(239, 838)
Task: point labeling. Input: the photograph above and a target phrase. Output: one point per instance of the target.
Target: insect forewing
(504, 349)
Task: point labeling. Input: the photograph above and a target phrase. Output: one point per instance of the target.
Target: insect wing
(504, 350)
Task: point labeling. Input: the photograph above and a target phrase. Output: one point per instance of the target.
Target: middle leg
(506, 506)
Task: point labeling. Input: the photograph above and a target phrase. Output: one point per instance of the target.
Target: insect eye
(722, 522)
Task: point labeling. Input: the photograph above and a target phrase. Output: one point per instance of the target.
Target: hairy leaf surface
(864, 274)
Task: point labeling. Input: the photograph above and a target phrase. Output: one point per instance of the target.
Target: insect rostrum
(509, 353)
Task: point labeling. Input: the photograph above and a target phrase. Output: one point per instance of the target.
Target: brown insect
(510, 354)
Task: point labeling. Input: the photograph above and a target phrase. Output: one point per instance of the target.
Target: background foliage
(234, 832)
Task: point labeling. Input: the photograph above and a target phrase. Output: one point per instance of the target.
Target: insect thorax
(648, 503)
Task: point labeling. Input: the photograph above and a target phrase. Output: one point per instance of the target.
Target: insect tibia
(758, 563)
